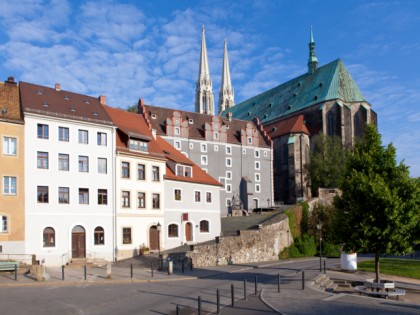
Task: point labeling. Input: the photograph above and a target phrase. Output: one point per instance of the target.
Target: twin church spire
(204, 100)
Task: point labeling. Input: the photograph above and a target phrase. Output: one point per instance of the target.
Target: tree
(378, 211)
(132, 109)
(327, 163)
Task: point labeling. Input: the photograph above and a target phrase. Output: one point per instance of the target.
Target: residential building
(192, 205)
(235, 152)
(139, 184)
(69, 172)
(12, 154)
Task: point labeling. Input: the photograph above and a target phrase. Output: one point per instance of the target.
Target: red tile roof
(130, 124)
(294, 124)
(59, 103)
(198, 175)
(196, 129)
(9, 102)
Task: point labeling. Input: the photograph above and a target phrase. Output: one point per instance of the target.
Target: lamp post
(319, 228)
(159, 228)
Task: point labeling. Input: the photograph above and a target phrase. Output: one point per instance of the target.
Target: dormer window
(138, 145)
(183, 170)
(190, 121)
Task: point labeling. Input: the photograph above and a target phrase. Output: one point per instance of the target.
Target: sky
(131, 49)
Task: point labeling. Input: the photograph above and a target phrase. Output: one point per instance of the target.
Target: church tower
(226, 94)
(204, 101)
(313, 60)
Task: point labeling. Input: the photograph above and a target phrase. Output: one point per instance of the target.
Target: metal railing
(24, 258)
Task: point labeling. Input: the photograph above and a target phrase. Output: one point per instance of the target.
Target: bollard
(178, 310)
(151, 268)
(218, 301)
(232, 294)
(303, 279)
(245, 289)
(131, 271)
(15, 272)
(85, 272)
(108, 271)
(199, 305)
(278, 283)
(62, 272)
(256, 285)
(325, 268)
(170, 267)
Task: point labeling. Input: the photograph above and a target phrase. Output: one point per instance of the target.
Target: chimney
(11, 80)
(57, 87)
(154, 133)
(102, 99)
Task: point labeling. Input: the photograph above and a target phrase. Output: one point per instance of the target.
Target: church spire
(204, 101)
(313, 60)
(226, 94)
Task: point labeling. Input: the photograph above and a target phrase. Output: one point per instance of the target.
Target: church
(323, 100)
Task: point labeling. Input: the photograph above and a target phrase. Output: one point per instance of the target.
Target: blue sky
(150, 49)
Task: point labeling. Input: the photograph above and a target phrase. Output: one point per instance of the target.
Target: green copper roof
(329, 82)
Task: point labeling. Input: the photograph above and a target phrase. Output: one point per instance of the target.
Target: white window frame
(180, 194)
(82, 133)
(216, 136)
(191, 146)
(203, 147)
(198, 191)
(228, 162)
(228, 150)
(228, 174)
(257, 153)
(257, 188)
(257, 165)
(102, 138)
(265, 153)
(211, 197)
(228, 188)
(6, 147)
(257, 177)
(206, 160)
(10, 191)
(177, 131)
(243, 151)
(63, 139)
(228, 202)
(216, 148)
(177, 144)
(209, 226)
(100, 167)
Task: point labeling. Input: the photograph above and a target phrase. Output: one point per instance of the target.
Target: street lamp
(159, 228)
(319, 228)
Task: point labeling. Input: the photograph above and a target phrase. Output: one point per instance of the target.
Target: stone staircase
(324, 282)
(88, 262)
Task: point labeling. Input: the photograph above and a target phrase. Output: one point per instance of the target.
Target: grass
(399, 267)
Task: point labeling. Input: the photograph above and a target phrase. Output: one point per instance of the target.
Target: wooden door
(78, 245)
(188, 231)
(153, 238)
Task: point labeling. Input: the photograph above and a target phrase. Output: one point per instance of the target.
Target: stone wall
(263, 243)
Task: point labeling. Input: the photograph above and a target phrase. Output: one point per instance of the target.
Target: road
(162, 297)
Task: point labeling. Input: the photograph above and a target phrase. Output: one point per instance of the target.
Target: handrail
(67, 255)
(90, 254)
(26, 258)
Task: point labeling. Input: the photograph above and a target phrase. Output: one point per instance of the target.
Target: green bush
(294, 252)
(306, 245)
(331, 250)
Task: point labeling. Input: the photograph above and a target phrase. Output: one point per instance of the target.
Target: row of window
(141, 171)
(228, 162)
(64, 162)
(141, 200)
(64, 195)
(197, 195)
(228, 149)
(49, 236)
(43, 132)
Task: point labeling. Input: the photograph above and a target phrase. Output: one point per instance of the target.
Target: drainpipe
(114, 210)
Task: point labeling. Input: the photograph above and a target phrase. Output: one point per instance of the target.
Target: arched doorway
(78, 242)
(153, 238)
(188, 232)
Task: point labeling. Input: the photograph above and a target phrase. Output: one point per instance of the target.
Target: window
(257, 188)
(197, 196)
(203, 147)
(249, 140)
(191, 146)
(155, 173)
(9, 146)
(229, 188)
(125, 200)
(42, 160)
(99, 236)
(83, 196)
(215, 136)
(216, 148)
(83, 164)
(102, 166)
(228, 202)
(83, 136)
(101, 138)
(178, 195)
(4, 224)
(126, 235)
(9, 185)
(265, 153)
(177, 145)
(257, 177)
(244, 151)
(228, 175)
(257, 165)
(141, 172)
(42, 193)
(222, 180)
(125, 170)
(187, 171)
(102, 196)
(208, 197)
(141, 200)
(43, 132)
(48, 237)
(63, 134)
(177, 131)
(63, 195)
(155, 201)
(138, 145)
(179, 170)
(204, 226)
(257, 153)
(173, 230)
(204, 159)
(63, 162)
(228, 150)
(229, 162)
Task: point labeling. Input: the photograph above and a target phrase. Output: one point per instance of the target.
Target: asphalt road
(163, 297)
